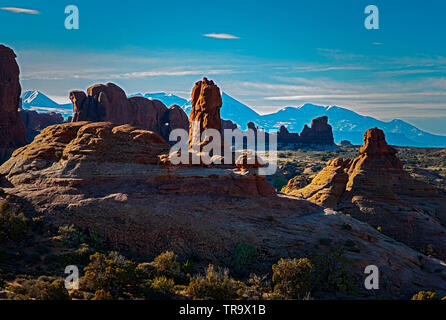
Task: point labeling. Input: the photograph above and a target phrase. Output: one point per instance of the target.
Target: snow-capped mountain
(167, 98)
(232, 110)
(37, 101)
(347, 124)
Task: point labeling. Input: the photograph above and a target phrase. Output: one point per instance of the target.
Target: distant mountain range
(37, 101)
(347, 124)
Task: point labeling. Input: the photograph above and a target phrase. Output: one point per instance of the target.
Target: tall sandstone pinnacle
(12, 130)
(206, 104)
(375, 188)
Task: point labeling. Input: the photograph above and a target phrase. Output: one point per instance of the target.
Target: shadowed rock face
(376, 189)
(109, 103)
(12, 130)
(35, 122)
(320, 133)
(206, 104)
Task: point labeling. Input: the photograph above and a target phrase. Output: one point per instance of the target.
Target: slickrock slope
(12, 130)
(376, 189)
(114, 179)
(109, 103)
(35, 122)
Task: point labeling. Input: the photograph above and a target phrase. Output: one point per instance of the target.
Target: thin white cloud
(168, 73)
(225, 36)
(373, 96)
(20, 10)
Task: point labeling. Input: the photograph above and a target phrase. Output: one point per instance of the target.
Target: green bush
(44, 288)
(331, 274)
(215, 285)
(71, 236)
(426, 295)
(243, 257)
(112, 273)
(13, 227)
(292, 278)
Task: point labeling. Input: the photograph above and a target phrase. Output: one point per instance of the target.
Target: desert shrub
(215, 285)
(425, 295)
(43, 288)
(258, 288)
(79, 256)
(166, 264)
(187, 267)
(145, 271)
(13, 227)
(331, 273)
(112, 273)
(102, 295)
(163, 286)
(243, 257)
(292, 278)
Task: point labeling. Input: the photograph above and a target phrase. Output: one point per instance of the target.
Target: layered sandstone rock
(12, 130)
(376, 189)
(35, 122)
(114, 179)
(109, 103)
(175, 118)
(205, 114)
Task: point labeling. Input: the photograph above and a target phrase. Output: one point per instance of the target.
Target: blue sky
(280, 53)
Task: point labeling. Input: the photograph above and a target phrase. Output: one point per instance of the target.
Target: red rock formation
(174, 118)
(206, 104)
(35, 122)
(376, 189)
(109, 103)
(320, 133)
(228, 124)
(284, 136)
(12, 130)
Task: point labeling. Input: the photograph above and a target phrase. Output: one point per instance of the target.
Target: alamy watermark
(250, 148)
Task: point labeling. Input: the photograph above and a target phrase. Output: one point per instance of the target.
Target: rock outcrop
(206, 104)
(109, 103)
(285, 137)
(345, 143)
(113, 178)
(35, 122)
(376, 189)
(320, 133)
(12, 130)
